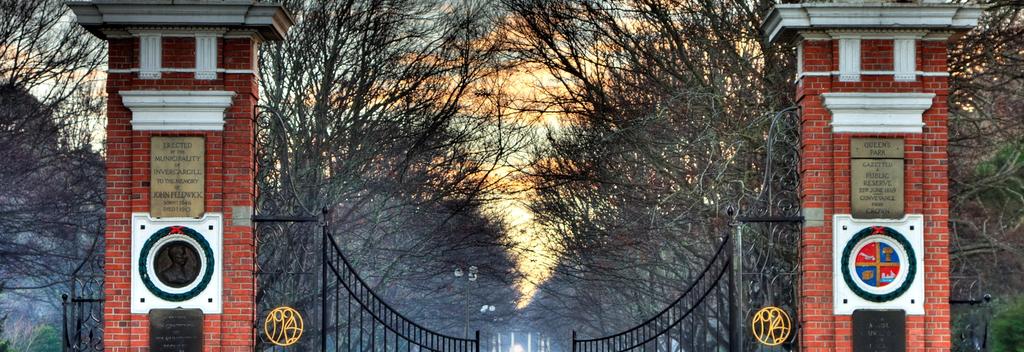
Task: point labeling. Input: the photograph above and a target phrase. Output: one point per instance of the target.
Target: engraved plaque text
(176, 330)
(876, 177)
(177, 177)
(879, 331)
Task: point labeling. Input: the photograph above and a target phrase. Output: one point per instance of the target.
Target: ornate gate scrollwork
(82, 323)
(768, 232)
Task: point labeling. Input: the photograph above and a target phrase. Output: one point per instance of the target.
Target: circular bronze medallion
(177, 264)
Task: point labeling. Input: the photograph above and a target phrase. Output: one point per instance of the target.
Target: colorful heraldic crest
(878, 264)
(176, 263)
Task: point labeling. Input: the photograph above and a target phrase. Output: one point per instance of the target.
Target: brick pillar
(872, 70)
(175, 71)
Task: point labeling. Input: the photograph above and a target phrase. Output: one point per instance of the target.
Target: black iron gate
(703, 318)
(756, 267)
(82, 321)
(354, 318)
(768, 234)
(768, 249)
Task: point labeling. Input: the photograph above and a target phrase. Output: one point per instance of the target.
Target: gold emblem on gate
(771, 326)
(283, 326)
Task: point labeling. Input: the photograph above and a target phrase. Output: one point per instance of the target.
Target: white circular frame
(151, 260)
(901, 276)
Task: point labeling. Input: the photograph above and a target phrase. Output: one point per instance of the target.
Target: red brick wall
(178, 52)
(230, 172)
(876, 55)
(825, 172)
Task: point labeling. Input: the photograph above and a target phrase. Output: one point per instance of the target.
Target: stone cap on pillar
(270, 21)
(785, 20)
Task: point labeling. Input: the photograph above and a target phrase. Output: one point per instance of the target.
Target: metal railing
(354, 318)
(768, 229)
(83, 323)
(701, 319)
(82, 309)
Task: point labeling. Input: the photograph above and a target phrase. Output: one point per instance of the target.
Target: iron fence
(701, 319)
(82, 318)
(354, 318)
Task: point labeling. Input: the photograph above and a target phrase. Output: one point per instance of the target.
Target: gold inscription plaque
(177, 177)
(876, 170)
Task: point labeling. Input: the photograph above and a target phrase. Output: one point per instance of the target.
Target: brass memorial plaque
(176, 330)
(876, 175)
(177, 177)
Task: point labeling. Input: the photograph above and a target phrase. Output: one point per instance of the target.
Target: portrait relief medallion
(177, 264)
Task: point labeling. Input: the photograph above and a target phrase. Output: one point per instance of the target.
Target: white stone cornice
(862, 73)
(163, 110)
(111, 33)
(813, 35)
(270, 21)
(184, 32)
(877, 34)
(242, 33)
(182, 70)
(871, 34)
(785, 19)
(938, 36)
(877, 112)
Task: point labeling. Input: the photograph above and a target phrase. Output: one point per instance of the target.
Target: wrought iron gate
(354, 318)
(701, 319)
(768, 233)
(755, 267)
(82, 322)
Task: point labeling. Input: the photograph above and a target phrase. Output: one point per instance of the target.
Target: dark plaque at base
(176, 330)
(879, 331)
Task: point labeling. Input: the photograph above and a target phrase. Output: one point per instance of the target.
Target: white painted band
(869, 73)
(180, 70)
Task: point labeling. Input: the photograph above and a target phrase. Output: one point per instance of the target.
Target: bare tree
(662, 104)
(664, 107)
(986, 164)
(371, 112)
(52, 179)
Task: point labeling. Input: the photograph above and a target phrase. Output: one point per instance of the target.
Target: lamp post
(471, 274)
